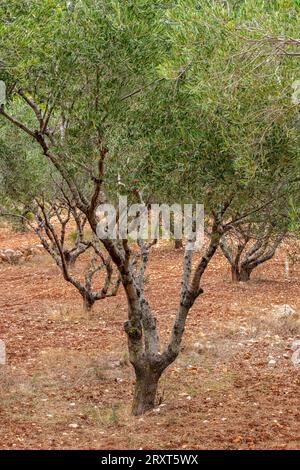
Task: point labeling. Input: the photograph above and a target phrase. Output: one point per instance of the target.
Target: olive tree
(246, 249)
(120, 92)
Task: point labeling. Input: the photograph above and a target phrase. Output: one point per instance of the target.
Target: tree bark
(235, 274)
(245, 273)
(88, 303)
(70, 260)
(178, 244)
(145, 392)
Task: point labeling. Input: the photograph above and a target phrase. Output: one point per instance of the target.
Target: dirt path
(68, 384)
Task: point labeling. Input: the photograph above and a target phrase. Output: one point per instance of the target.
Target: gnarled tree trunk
(245, 273)
(235, 274)
(145, 391)
(178, 244)
(143, 342)
(88, 303)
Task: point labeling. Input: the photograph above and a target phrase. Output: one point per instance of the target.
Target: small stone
(295, 344)
(283, 310)
(2, 352)
(199, 347)
(73, 425)
(296, 357)
(272, 363)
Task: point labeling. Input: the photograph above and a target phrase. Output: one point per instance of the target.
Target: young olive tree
(120, 91)
(51, 222)
(249, 246)
(42, 204)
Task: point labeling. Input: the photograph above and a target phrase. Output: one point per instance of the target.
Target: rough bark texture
(178, 244)
(235, 274)
(245, 274)
(145, 391)
(242, 274)
(88, 303)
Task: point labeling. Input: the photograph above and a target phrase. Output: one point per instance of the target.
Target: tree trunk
(245, 274)
(178, 244)
(145, 392)
(235, 274)
(88, 303)
(70, 260)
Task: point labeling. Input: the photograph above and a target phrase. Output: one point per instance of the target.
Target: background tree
(35, 195)
(248, 247)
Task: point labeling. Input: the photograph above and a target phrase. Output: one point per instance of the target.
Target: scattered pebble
(295, 344)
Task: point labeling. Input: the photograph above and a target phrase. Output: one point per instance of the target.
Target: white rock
(8, 252)
(283, 309)
(295, 344)
(2, 352)
(199, 347)
(272, 363)
(296, 357)
(73, 425)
